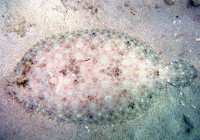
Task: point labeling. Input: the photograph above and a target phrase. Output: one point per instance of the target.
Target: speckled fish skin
(93, 77)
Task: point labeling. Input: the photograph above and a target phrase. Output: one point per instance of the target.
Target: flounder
(93, 77)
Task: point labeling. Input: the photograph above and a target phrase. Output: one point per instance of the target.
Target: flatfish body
(93, 77)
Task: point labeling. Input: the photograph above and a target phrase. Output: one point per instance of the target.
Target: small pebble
(169, 2)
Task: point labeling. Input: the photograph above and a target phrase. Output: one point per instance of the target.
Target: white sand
(24, 22)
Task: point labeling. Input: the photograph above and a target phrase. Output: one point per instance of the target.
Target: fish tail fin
(181, 73)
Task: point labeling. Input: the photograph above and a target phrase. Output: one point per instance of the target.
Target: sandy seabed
(173, 31)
